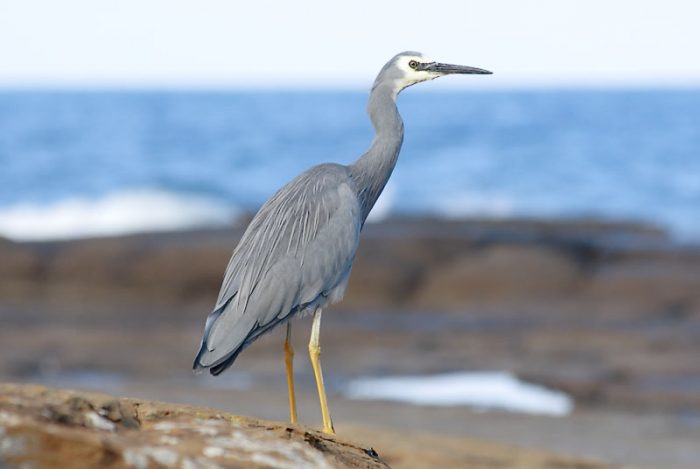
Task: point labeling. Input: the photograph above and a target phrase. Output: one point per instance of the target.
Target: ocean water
(90, 163)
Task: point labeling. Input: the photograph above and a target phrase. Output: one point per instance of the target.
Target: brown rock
(415, 263)
(84, 431)
(17, 263)
(664, 283)
(43, 427)
(181, 273)
(500, 271)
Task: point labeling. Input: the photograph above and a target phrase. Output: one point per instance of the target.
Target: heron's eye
(413, 64)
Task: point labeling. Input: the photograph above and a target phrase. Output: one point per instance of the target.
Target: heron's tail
(226, 335)
(217, 367)
(206, 359)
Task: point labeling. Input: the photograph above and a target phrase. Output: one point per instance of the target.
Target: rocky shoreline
(421, 263)
(44, 427)
(606, 312)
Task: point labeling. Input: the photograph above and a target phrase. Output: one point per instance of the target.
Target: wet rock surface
(49, 428)
(43, 427)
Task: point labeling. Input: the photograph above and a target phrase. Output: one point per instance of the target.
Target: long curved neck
(373, 169)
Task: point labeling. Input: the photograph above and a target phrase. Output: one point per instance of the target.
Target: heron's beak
(447, 69)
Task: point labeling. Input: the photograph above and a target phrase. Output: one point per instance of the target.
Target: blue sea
(105, 162)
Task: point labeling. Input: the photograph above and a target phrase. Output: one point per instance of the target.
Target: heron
(296, 254)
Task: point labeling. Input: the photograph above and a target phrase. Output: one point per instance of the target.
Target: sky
(311, 44)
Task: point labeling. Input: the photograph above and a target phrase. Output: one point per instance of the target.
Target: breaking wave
(118, 213)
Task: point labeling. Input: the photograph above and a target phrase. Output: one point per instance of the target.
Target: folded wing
(296, 251)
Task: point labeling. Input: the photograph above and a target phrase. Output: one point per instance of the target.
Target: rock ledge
(44, 427)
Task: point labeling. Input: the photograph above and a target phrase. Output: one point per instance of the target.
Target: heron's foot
(329, 429)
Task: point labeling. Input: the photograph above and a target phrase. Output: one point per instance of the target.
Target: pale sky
(300, 43)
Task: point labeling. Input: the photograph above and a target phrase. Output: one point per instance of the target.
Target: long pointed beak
(447, 69)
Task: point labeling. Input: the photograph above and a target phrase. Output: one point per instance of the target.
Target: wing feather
(297, 249)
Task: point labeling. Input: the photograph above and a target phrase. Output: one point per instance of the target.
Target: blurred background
(530, 276)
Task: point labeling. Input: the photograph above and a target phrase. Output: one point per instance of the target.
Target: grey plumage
(297, 252)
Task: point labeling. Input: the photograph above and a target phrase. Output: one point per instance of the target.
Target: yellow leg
(289, 364)
(315, 353)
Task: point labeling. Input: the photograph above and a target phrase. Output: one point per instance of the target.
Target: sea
(95, 163)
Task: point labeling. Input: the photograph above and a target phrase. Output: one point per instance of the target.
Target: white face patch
(411, 76)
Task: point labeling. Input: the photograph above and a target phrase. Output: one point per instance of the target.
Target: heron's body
(297, 252)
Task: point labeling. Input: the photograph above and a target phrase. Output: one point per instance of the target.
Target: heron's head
(408, 68)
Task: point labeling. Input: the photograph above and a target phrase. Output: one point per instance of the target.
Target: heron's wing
(298, 247)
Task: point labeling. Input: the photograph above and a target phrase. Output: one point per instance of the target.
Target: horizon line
(342, 88)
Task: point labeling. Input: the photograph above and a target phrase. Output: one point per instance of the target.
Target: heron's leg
(289, 364)
(315, 353)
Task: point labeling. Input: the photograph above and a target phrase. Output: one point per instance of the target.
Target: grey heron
(296, 254)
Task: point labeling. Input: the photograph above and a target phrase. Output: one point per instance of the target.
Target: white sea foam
(483, 390)
(131, 211)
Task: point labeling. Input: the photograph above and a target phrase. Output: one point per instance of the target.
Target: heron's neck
(373, 169)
